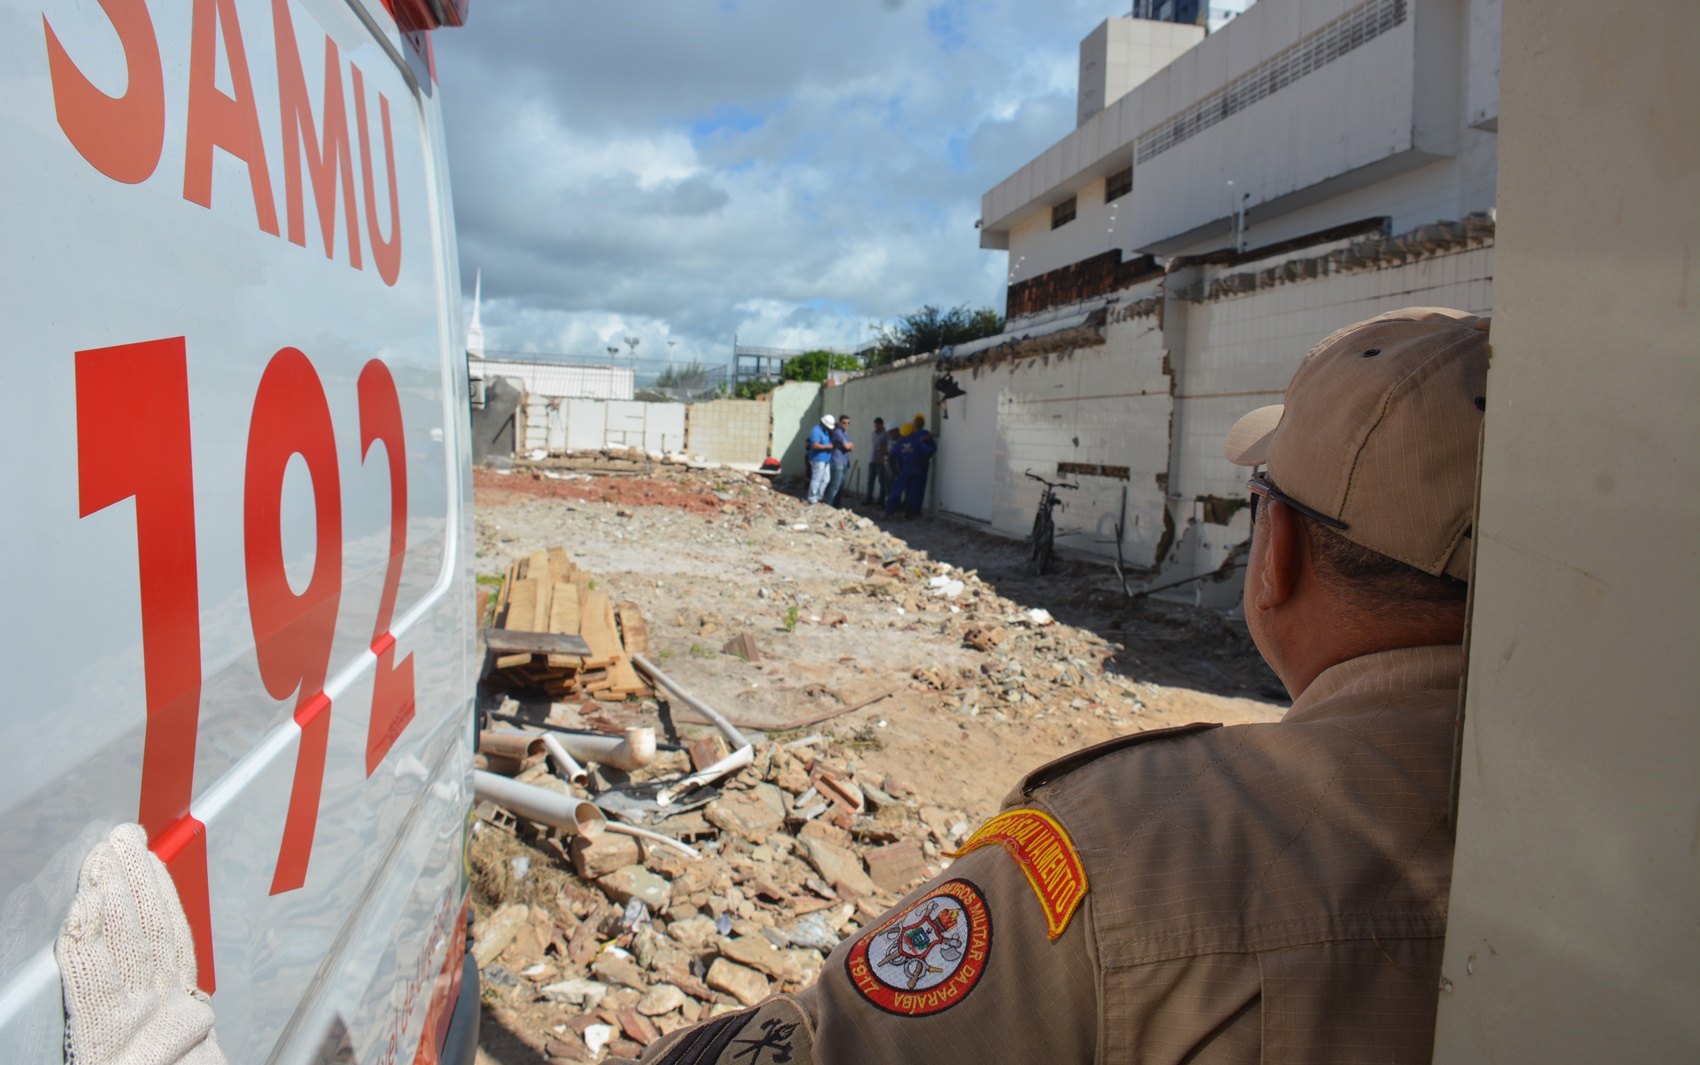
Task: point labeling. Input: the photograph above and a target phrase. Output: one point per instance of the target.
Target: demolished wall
(1148, 383)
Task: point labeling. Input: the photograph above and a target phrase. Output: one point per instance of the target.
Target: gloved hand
(128, 964)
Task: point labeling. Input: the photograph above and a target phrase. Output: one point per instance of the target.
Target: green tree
(930, 329)
(756, 387)
(814, 365)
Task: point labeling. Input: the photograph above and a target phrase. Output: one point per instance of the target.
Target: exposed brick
(1105, 272)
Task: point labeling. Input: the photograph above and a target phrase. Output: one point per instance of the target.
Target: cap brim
(1247, 443)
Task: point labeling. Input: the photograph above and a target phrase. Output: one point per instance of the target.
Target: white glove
(127, 961)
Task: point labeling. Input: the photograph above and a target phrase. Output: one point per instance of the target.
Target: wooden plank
(634, 631)
(540, 613)
(560, 567)
(566, 662)
(508, 579)
(510, 661)
(513, 641)
(537, 566)
(594, 615)
(625, 677)
(563, 609)
(522, 606)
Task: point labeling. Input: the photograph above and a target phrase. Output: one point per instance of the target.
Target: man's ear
(1282, 548)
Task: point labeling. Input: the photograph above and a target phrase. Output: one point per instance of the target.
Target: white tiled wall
(730, 430)
(1107, 405)
(1242, 350)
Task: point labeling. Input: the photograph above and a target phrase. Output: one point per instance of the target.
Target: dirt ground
(846, 606)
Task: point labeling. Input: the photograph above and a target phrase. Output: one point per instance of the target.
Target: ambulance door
(237, 599)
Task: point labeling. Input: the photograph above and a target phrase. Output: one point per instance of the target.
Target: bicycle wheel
(1034, 537)
(1042, 532)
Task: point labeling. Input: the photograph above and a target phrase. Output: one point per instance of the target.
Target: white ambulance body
(235, 554)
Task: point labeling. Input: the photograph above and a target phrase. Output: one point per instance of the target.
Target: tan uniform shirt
(1258, 893)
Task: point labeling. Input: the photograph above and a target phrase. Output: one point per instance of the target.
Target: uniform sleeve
(964, 969)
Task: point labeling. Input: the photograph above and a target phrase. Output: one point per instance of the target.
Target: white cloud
(780, 171)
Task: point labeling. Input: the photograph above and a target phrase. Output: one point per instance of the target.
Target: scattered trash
(497, 976)
(814, 931)
(597, 1036)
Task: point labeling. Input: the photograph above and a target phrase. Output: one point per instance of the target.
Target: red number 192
(133, 442)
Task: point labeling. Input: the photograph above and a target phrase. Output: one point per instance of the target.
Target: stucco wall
(795, 407)
(897, 396)
(493, 427)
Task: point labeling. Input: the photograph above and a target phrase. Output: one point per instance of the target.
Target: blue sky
(786, 171)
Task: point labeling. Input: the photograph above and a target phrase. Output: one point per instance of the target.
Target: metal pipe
(733, 762)
(574, 816)
(655, 837)
(727, 729)
(570, 770)
(634, 751)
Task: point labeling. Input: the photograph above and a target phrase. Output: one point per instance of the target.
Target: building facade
(1223, 203)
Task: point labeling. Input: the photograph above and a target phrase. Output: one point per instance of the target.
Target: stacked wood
(546, 594)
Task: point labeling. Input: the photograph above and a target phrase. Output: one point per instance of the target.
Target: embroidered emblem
(926, 958)
(1041, 846)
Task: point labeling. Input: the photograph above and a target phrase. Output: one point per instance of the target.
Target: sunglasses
(1261, 487)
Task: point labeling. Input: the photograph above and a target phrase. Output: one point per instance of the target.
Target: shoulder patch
(1068, 763)
(928, 956)
(775, 1033)
(1041, 846)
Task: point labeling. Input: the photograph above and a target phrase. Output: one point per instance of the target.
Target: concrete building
(1222, 204)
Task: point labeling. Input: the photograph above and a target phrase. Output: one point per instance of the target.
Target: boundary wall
(1132, 403)
(737, 432)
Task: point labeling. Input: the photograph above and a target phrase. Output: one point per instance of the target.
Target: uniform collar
(1406, 669)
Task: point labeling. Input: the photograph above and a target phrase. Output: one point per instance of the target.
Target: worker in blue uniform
(903, 455)
(925, 446)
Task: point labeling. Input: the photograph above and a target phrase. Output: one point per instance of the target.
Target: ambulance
(235, 558)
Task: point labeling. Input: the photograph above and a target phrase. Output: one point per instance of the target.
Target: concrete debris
(742, 983)
(817, 817)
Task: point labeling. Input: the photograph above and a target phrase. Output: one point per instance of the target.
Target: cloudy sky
(788, 171)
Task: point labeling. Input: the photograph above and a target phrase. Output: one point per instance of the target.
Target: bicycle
(1044, 525)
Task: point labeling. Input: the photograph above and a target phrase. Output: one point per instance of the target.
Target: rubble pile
(618, 940)
(878, 702)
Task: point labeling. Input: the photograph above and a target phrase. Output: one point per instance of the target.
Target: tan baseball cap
(1380, 432)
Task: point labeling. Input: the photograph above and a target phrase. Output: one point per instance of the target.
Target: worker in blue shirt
(925, 446)
(903, 456)
(820, 457)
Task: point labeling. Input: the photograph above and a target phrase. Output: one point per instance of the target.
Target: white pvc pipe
(727, 729)
(634, 751)
(733, 762)
(570, 770)
(574, 816)
(655, 837)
